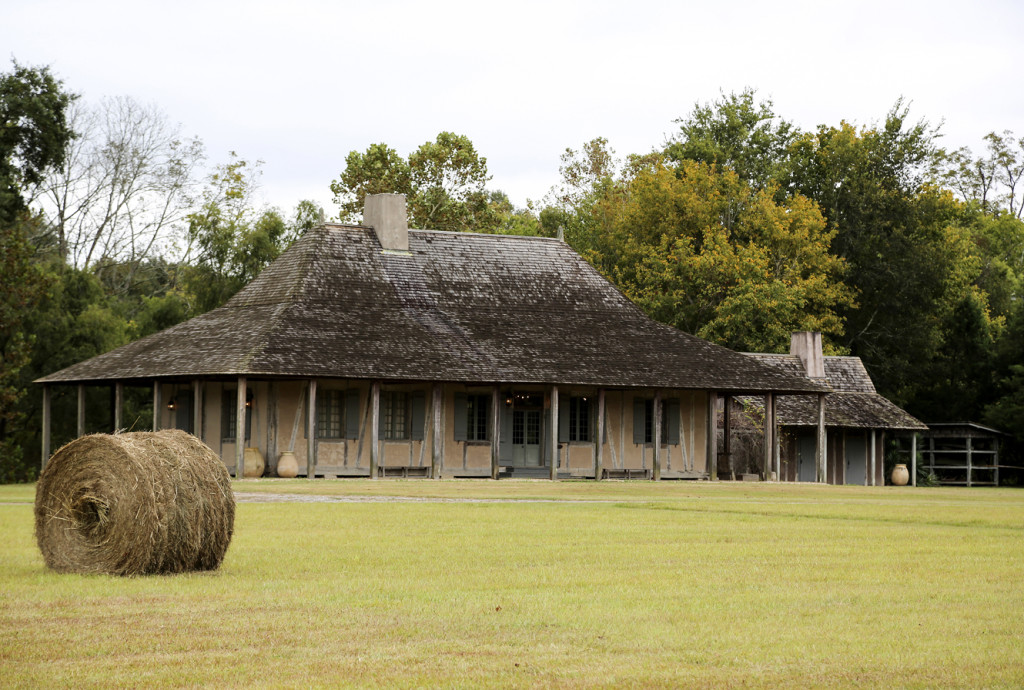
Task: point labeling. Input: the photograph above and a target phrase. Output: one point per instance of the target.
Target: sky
(300, 84)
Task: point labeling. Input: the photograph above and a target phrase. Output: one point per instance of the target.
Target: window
(476, 417)
(394, 415)
(330, 413)
(643, 421)
(229, 415)
(579, 419)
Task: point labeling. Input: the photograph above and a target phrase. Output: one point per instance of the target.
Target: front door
(523, 425)
(806, 451)
(526, 438)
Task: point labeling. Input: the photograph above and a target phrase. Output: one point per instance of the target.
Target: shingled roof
(854, 402)
(457, 307)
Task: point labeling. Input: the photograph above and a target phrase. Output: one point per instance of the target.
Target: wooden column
(495, 433)
(820, 446)
(871, 481)
(776, 439)
(599, 441)
(273, 425)
(197, 408)
(46, 426)
(656, 436)
(769, 433)
(913, 459)
(554, 432)
(240, 429)
(374, 428)
(727, 433)
(80, 426)
(158, 403)
(311, 444)
(118, 406)
(436, 449)
(712, 435)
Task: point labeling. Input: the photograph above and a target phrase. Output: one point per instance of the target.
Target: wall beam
(554, 432)
(374, 428)
(712, 436)
(240, 428)
(495, 433)
(599, 440)
(820, 445)
(46, 426)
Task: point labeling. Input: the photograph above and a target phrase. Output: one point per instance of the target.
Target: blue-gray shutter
(418, 416)
(460, 416)
(563, 418)
(672, 421)
(183, 418)
(639, 420)
(505, 449)
(352, 413)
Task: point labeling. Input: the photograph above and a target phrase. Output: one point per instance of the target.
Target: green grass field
(575, 584)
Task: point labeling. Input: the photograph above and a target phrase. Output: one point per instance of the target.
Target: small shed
(962, 453)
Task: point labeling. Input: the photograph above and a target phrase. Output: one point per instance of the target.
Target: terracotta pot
(900, 475)
(287, 465)
(254, 463)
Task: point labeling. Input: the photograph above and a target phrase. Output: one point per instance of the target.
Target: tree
(994, 182)
(739, 133)
(697, 248)
(444, 182)
(232, 239)
(126, 184)
(33, 136)
(34, 133)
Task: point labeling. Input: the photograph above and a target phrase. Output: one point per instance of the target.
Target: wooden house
(857, 419)
(376, 350)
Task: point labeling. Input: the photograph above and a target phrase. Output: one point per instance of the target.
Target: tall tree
(697, 248)
(126, 185)
(33, 136)
(444, 182)
(740, 133)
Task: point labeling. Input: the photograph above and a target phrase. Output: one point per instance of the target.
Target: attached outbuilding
(376, 350)
(857, 419)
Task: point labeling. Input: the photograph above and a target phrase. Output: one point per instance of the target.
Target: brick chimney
(385, 213)
(807, 346)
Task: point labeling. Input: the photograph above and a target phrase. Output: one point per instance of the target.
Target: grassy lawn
(576, 584)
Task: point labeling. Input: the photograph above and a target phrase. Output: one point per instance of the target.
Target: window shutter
(639, 420)
(384, 403)
(418, 416)
(352, 413)
(672, 421)
(248, 423)
(460, 416)
(563, 418)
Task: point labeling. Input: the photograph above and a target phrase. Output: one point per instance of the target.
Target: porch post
(157, 404)
(599, 441)
(197, 408)
(656, 440)
(118, 406)
(776, 439)
(240, 428)
(80, 429)
(821, 442)
(554, 432)
(913, 460)
(495, 433)
(727, 433)
(769, 433)
(374, 428)
(871, 482)
(311, 444)
(435, 437)
(712, 435)
(46, 426)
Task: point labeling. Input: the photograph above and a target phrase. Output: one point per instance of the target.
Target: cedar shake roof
(458, 307)
(854, 403)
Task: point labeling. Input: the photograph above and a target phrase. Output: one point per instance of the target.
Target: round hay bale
(134, 504)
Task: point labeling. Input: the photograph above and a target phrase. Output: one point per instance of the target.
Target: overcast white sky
(300, 83)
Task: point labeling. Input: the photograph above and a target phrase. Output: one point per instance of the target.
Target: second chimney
(385, 213)
(807, 346)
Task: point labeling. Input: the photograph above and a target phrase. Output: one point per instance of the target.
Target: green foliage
(443, 181)
(234, 240)
(698, 249)
(738, 133)
(34, 132)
